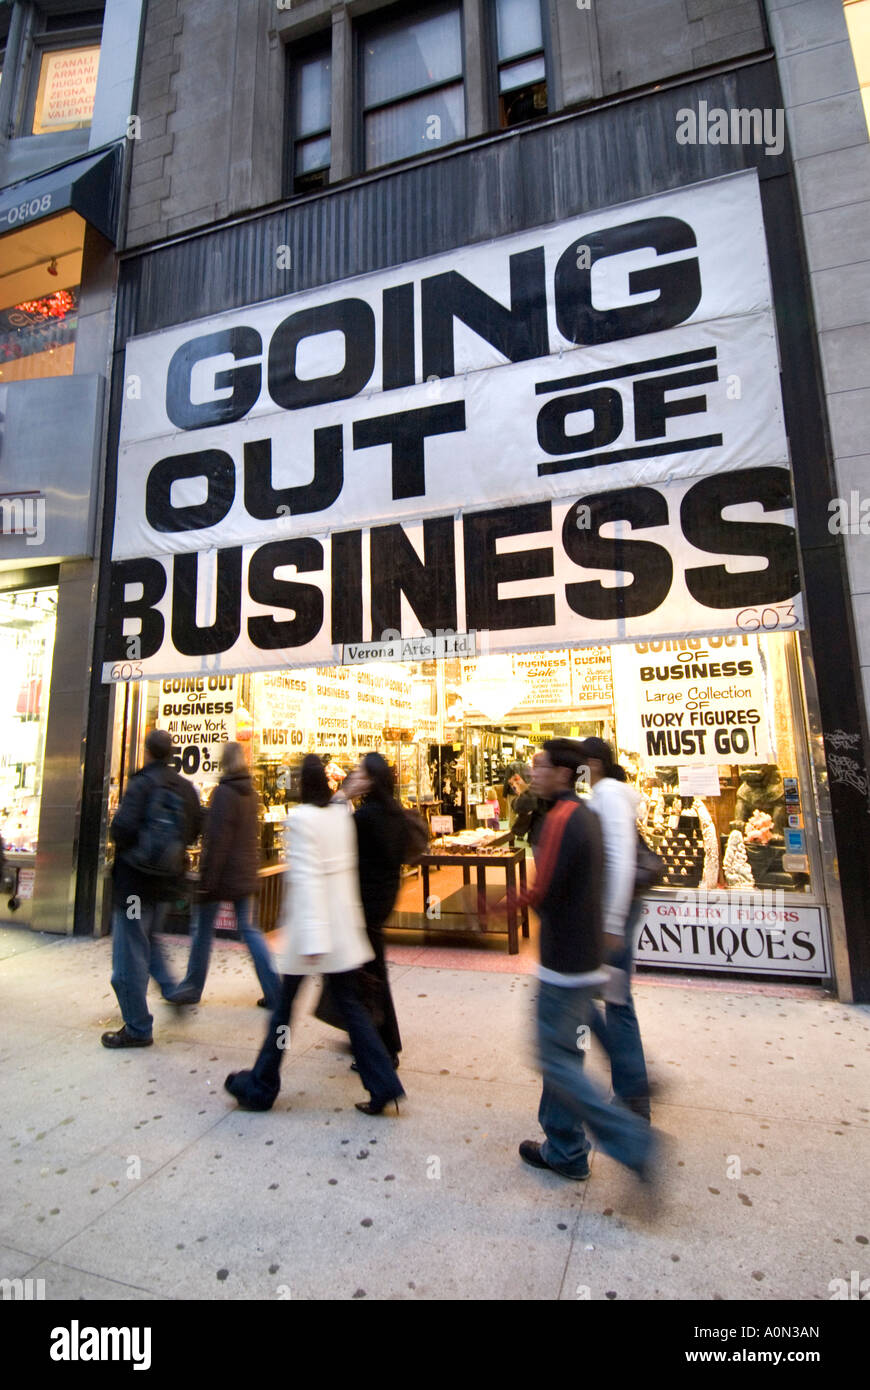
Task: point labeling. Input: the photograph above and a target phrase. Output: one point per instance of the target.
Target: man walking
(616, 806)
(567, 894)
(158, 817)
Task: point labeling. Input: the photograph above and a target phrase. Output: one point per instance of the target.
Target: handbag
(371, 993)
(650, 867)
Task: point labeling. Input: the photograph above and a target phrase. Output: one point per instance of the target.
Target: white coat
(321, 912)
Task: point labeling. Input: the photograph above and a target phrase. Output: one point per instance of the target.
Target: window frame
(495, 65)
(296, 52)
(49, 41)
(373, 20)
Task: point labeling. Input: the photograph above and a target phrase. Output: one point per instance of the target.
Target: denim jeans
(200, 950)
(137, 953)
(569, 1099)
(262, 1084)
(619, 1032)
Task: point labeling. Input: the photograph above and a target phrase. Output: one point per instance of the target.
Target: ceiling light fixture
(52, 266)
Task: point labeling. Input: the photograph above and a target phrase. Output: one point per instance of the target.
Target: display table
(507, 863)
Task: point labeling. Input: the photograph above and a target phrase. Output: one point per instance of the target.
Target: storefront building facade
(515, 439)
(64, 122)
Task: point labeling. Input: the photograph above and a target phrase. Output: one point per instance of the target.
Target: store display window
(709, 732)
(27, 626)
(39, 298)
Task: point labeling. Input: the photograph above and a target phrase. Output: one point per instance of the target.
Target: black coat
(531, 812)
(125, 827)
(381, 839)
(230, 859)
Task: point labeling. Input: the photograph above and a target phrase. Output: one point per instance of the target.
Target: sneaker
(124, 1039)
(530, 1152)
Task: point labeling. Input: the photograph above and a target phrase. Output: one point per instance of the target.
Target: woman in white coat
(324, 934)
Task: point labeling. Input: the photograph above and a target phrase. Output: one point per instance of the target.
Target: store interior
(455, 732)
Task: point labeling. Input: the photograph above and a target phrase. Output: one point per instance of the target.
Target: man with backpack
(157, 819)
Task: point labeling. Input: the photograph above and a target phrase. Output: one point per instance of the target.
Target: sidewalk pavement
(132, 1175)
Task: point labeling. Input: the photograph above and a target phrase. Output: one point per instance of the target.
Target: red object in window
(30, 696)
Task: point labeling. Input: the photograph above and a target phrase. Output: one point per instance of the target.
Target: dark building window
(413, 99)
(311, 118)
(522, 74)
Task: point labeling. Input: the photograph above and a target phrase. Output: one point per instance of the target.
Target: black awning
(88, 186)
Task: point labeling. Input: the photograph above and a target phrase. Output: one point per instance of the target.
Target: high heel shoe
(375, 1107)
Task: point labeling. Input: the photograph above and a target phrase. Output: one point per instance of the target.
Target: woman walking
(324, 933)
(228, 873)
(381, 843)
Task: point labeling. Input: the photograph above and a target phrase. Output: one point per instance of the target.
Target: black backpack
(159, 848)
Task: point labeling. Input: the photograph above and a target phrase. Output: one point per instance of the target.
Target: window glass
(415, 126)
(313, 95)
(37, 336)
(67, 86)
(858, 24)
(518, 23)
(313, 154)
(27, 623)
(409, 53)
(521, 74)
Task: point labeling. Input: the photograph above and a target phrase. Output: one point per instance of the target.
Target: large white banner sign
(572, 434)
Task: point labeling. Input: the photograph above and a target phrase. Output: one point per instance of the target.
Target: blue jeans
(136, 954)
(200, 950)
(619, 1032)
(569, 1099)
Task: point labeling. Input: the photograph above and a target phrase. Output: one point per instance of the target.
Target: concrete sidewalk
(132, 1175)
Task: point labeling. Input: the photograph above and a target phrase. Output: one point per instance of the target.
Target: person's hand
(613, 943)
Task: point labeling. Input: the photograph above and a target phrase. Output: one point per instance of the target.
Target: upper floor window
(62, 82)
(858, 24)
(311, 107)
(522, 75)
(411, 80)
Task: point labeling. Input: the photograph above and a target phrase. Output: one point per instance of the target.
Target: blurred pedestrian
(616, 805)
(530, 810)
(324, 934)
(381, 844)
(159, 816)
(228, 872)
(567, 893)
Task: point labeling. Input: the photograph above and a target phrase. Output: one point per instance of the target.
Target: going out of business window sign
(568, 436)
(691, 702)
(752, 932)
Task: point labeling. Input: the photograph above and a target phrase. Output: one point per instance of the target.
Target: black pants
(262, 1084)
(389, 1028)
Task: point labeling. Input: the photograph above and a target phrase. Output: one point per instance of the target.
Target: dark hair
(313, 783)
(383, 781)
(158, 743)
(563, 752)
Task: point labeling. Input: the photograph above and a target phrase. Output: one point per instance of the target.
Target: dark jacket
(381, 840)
(531, 812)
(568, 885)
(230, 855)
(124, 831)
